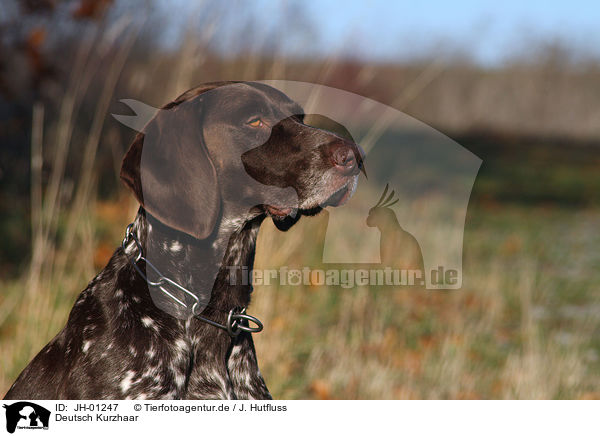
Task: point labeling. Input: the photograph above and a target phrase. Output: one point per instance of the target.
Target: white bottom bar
(299, 417)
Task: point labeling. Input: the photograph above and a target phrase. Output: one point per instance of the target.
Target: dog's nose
(346, 156)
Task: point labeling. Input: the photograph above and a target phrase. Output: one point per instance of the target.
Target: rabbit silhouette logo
(398, 248)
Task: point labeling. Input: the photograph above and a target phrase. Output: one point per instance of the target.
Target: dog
(206, 170)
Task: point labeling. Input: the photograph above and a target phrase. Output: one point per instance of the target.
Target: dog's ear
(170, 172)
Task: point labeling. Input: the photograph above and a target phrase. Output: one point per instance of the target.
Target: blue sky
(488, 32)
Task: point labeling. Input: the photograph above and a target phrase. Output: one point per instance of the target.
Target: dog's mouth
(279, 212)
(339, 197)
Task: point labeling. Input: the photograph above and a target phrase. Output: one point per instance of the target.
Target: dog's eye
(256, 122)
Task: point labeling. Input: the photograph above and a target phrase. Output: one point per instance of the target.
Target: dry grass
(501, 336)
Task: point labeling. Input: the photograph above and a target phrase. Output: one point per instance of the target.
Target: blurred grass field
(525, 324)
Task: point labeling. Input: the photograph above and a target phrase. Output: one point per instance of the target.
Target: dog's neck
(213, 268)
(192, 263)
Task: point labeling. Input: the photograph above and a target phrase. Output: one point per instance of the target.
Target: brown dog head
(243, 143)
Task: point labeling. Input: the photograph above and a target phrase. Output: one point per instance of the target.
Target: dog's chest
(188, 370)
(140, 352)
(154, 371)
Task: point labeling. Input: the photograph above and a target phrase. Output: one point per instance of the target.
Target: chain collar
(235, 316)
